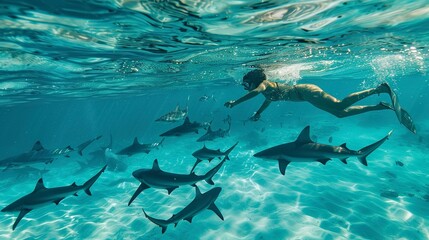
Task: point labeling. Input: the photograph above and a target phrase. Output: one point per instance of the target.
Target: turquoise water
(75, 70)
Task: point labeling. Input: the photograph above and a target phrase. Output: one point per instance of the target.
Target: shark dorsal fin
(177, 108)
(209, 130)
(37, 146)
(197, 192)
(74, 184)
(136, 141)
(187, 121)
(155, 165)
(39, 185)
(344, 146)
(304, 136)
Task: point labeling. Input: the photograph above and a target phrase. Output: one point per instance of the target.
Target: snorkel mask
(253, 78)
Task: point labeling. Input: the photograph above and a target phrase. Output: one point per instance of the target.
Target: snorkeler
(256, 82)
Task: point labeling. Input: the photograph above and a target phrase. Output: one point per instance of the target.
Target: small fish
(389, 194)
(330, 139)
(399, 163)
(206, 98)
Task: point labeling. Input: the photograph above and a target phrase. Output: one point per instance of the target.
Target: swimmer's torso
(281, 92)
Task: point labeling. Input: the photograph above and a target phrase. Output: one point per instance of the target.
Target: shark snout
(259, 154)
(215, 191)
(7, 209)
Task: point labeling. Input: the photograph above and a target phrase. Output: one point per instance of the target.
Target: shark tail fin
(209, 175)
(364, 152)
(88, 184)
(158, 222)
(229, 151)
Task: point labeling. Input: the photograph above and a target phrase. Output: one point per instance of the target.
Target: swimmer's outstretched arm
(260, 110)
(249, 95)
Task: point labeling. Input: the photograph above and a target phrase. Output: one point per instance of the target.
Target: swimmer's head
(253, 78)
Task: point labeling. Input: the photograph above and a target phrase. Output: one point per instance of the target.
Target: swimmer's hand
(230, 104)
(255, 117)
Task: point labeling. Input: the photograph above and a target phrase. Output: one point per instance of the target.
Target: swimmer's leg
(357, 96)
(354, 110)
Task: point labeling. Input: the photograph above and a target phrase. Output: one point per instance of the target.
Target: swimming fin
(402, 115)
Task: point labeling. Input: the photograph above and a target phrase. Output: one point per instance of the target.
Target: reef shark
(157, 178)
(185, 128)
(201, 202)
(37, 154)
(306, 150)
(176, 115)
(42, 196)
(137, 147)
(211, 135)
(209, 154)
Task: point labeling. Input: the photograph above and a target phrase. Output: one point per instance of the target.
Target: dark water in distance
(73, 70)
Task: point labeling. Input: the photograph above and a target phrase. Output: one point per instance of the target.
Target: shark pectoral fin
(216, 210)
(282, 165)
(59, 200)
(20, 216)
(171, 189)
(138, 191)
(189, 219)
(323, 160)
(344, 160)
(210, 159)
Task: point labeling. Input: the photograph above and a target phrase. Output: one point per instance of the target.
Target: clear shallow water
(73, 71)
